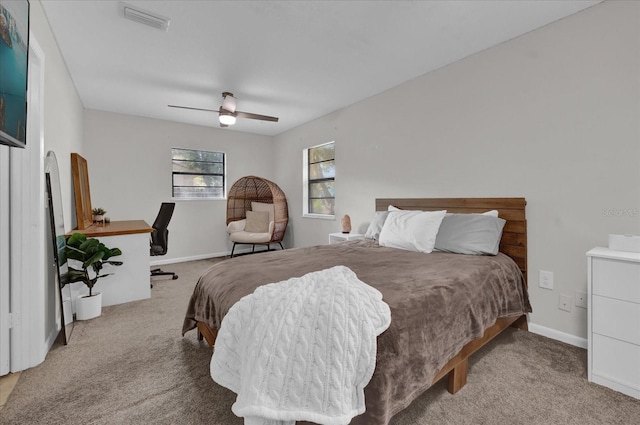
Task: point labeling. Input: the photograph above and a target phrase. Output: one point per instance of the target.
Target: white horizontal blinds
(198, 174)
(322, 173)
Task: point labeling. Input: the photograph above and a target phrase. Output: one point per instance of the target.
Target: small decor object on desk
(346, 224)
(92, 255)
(98, 215)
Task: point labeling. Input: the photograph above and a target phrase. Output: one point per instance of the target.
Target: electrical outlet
(581, 299)
(565, 302)
(545, 279)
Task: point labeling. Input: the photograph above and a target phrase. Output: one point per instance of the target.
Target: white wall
(129, 160)
(33, 294)
(63, 109)
(552, 116)
(63, 113)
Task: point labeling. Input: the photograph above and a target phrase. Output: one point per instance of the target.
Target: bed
(444, 306)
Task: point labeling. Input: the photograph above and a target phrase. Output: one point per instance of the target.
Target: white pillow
(475, 234)
(257, 222)
(411, 230)
(261, 206)
(375, 227)
(492, 213)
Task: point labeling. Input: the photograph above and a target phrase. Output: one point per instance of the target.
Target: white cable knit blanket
(301, 349)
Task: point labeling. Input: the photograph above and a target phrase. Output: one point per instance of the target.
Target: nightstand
(614, 320)
(341, 237)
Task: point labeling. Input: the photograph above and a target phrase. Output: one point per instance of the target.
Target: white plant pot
(88, 307)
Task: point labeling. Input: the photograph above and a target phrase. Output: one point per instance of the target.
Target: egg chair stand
(245, 194)
(253, 248)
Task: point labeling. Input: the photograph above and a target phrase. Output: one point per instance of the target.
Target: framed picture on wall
(14, 54)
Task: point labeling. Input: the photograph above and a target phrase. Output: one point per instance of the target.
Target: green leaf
(111, 253)
(76, 239)
(73, 275)
(93, 260)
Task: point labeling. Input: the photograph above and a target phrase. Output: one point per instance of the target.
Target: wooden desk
(131, 281)
(115, 228)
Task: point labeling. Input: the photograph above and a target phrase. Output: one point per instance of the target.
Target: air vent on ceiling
(144, 16)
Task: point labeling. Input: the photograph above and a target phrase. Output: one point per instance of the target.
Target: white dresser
(614, 319)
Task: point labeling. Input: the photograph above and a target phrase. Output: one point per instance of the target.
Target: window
(198, 174)
(319, 185)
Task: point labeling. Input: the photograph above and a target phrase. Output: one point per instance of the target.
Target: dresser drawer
(616, 319)
(616, 360)
(616, 279)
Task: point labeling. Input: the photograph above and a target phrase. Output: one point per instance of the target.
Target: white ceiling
(298, 60)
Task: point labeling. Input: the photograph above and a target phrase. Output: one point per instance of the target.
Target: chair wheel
(175, 276)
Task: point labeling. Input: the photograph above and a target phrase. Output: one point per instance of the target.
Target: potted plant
(98, 214)
(91, 255)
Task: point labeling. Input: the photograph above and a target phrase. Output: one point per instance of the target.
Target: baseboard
(51, 338)
(557, 335)
(164, 261)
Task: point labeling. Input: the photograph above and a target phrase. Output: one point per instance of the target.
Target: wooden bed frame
(513, 244)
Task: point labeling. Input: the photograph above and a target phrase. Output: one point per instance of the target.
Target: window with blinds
(320, 173)
(198, 174)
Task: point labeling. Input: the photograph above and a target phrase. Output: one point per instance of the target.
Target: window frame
(199, 198)
(306, 182)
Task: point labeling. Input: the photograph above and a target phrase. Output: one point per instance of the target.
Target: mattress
(439, 302)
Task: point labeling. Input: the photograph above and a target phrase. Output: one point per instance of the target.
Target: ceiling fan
(227, 113)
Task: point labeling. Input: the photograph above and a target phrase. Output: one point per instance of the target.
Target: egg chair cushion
(236, 226)
(257, 222)
(261, 206)
(249, 237)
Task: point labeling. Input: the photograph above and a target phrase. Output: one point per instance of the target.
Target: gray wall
(63, 112)
(129, 160)
(552, 116)
(62, 133)
(63, 115)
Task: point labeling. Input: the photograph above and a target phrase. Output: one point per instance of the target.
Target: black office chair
(160, 236)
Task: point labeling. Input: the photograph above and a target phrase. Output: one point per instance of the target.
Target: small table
(341, 237)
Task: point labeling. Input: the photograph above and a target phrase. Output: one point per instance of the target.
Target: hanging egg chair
(256, 194)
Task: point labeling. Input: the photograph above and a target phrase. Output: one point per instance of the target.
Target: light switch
(545, 279)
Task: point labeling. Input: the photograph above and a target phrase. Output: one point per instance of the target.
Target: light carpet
(132, 366)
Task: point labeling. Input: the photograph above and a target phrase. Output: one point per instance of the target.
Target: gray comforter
(439, 302)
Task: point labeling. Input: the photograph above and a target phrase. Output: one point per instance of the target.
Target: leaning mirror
(58, 242)
(82, 193)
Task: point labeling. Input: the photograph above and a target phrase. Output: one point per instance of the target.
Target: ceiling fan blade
(195, 109)
(238, 114)
(241, 114)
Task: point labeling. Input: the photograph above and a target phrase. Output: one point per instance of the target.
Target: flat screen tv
(14, 54)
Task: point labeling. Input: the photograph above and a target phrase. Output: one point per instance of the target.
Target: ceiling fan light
(226, 118)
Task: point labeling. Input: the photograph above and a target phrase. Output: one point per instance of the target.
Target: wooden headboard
(514, 234)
